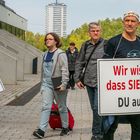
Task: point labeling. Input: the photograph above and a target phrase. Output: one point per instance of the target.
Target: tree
(110, 28)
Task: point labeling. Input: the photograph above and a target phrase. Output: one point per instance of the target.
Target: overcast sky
(78, 11)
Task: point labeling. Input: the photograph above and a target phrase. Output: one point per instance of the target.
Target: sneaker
(38, 133)
(65, 131)
(98, 137)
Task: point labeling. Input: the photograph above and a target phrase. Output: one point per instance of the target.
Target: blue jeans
(97, 120)
(48, 96)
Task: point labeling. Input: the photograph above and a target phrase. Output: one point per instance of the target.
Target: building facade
(12, 22)
(56, 18)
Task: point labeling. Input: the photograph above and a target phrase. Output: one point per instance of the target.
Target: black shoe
(65, 131)
(98, 137)
(39, 133)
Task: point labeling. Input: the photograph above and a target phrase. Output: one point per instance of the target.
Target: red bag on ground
(55, 120)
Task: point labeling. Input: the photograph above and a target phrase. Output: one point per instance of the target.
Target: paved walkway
(18, 122)
(12, 92)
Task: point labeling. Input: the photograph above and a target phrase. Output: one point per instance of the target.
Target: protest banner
(118, 86)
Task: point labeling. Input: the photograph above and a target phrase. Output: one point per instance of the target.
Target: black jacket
(71, 59)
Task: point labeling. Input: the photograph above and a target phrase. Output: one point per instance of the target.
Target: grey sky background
(78, 11)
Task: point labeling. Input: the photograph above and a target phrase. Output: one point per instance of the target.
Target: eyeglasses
(49, 39)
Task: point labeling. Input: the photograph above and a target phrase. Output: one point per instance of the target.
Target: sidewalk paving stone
(18, 122)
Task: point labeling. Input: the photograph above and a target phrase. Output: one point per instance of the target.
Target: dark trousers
(97, 120)
(71, 79)
(135, 127)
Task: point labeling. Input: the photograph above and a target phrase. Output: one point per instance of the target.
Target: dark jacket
(90, 78)
(71, 59)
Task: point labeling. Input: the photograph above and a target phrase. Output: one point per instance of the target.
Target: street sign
(118, 86)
